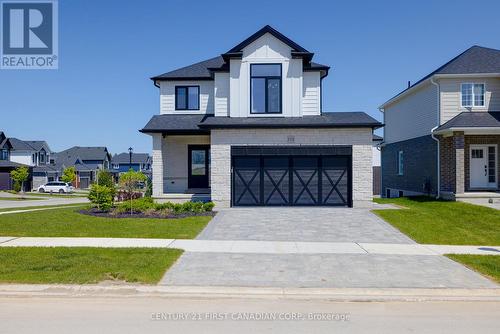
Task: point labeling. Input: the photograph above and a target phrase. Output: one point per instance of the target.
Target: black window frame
(187, 97)
(266, 91)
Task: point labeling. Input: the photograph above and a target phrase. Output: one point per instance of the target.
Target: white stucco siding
(311, 93)
(411, 116)
(22, 157)
(175, 172)
(221, 93)
(451, 96)
(266, 49)
(360, 139)
(167, 97)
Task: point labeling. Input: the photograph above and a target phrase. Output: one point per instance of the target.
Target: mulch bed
(97, 213)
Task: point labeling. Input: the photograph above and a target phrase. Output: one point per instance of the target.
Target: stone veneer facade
(359, 138)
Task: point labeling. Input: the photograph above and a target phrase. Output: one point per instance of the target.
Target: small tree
(105, 178)
(69, 175)
(20, 175)
(100, 197)
(130, 181)
(149, 188)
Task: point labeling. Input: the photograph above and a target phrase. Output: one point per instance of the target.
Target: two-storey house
(247, 129)
(123, 162)
(87, 162)
(442, 134)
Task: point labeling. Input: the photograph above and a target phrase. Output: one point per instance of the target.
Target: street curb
(330, 294)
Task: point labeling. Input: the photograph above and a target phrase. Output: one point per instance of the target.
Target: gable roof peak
(261, 32)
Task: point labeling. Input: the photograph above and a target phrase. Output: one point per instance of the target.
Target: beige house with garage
(247, 128)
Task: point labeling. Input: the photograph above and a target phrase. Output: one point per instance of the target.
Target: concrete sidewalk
(252, 247)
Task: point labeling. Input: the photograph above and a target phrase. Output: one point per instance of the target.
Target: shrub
(100, 197)
(20, 175)
(16, 187)
(164, 206)
(123, 195)
(104, 178)
(139, 205)
(208, 206)
(149, 188)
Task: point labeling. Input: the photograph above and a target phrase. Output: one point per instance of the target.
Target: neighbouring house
(6, 166)
(442, 134)
(87, 162)
(376, 162)
(123, 162)
(247, 128)
(34, 154)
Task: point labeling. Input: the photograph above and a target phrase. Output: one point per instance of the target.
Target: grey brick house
(246, 128)
(442, 134)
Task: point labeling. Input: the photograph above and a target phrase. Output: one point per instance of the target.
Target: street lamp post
(130, 149)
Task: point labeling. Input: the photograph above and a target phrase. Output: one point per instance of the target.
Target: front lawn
(67, 222)
(84, 265)
(42, 207)
(48, 194)
(488, 265)
(430, 221)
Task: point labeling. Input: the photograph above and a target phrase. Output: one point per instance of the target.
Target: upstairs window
(265, 88)
(187, 97)
(472, 95)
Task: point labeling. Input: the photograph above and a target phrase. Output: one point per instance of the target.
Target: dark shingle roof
(124, 158)
(174, 124)
(195, 71)
(203, 70)
(11, 164)
(326, 120)
(377, 138)
(27, 145)
(70, 156)
(198, 123)
(474, 60)
(473, 120)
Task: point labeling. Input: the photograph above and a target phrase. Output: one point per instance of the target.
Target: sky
(101, 94)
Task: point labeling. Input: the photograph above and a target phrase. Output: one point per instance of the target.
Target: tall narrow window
(400, 163)
(472, 95)
(265, 87)
(187, 97)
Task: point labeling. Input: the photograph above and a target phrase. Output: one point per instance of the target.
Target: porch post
(459, 144)
(157, 167)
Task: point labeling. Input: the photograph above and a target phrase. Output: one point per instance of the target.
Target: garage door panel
(291, 180)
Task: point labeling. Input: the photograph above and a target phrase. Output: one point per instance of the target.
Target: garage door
(5, 183)
(291, 176)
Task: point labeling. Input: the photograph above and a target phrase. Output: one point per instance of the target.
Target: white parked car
(56, 187)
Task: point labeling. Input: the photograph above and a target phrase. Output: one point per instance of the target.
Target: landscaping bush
(16, 187)
(139, 205)
(208, 206)
(149, 188)
(123, 195)
(101, 197)
(104, 178)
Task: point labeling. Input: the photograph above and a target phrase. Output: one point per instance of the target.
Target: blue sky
(101, 94)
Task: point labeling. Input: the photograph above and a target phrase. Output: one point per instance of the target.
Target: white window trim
(473, 99)
(401, 162)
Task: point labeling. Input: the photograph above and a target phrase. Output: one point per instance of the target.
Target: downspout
(438, 193)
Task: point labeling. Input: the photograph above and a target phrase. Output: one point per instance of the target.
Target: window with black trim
(187, 97)
(265, 88)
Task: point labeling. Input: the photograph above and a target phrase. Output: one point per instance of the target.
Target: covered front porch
(469, 164)
(181, 167)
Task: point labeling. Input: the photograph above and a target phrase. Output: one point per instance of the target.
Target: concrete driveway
(314, 225)
(302, 224)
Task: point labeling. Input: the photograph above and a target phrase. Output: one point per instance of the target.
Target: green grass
(84, 265)
(432, 221)
(42, 207)
(18, 199)
(67, 222)
(488, 265)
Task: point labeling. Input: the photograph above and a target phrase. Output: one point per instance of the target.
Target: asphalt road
(161, 315)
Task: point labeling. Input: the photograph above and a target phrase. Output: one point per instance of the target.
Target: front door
(198, 166)
(483, 166)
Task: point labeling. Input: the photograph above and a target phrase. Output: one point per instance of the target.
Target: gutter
(438, 193)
